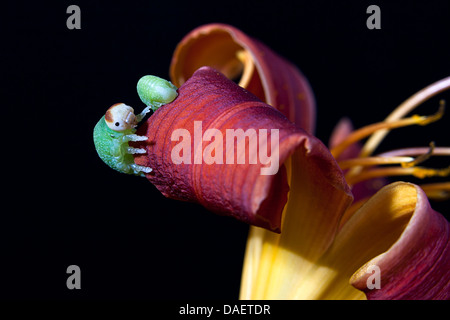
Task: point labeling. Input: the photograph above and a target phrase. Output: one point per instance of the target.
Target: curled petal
(258, 69)
(209, 104)
(395, 236)
(394, 247)
(417, 265)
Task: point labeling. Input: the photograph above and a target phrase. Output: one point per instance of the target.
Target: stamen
(234, 68)
(437, 191)
(437, 151)
(421, 158)
(422, 173)
(418, 172)
(249, 67)
(403, 109)
(370, 129)
(435, 117)
(372, 161)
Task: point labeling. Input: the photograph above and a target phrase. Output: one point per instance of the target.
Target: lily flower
(311, 237)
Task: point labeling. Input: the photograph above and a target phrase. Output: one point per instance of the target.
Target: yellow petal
(372, 230)
(276, 264)
(293, 265)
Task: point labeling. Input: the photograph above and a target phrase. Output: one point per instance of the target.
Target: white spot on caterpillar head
(120, 117)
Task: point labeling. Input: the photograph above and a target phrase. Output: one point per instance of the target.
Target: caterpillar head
(120, 117)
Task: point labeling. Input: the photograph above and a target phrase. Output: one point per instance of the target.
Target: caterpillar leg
(134, 137)
(140, 169)
(132, 150)
(156, 105)
(141, 115)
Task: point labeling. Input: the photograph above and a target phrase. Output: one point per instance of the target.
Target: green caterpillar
(117, 127)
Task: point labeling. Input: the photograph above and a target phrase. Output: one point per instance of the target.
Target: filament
(421, 158)
(249, 67)
(370, 129)
(437, 151)
(403, 109)
(408, 158)
(418, 172)
(372, 161)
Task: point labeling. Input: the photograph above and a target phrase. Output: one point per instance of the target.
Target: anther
(435, 117)
(421, 158)
(422, 173)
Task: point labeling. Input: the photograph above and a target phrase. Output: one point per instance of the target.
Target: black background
(63, 206)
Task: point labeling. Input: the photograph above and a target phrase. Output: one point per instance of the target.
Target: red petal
(274, 80)
(237, 190)
(417, 265)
